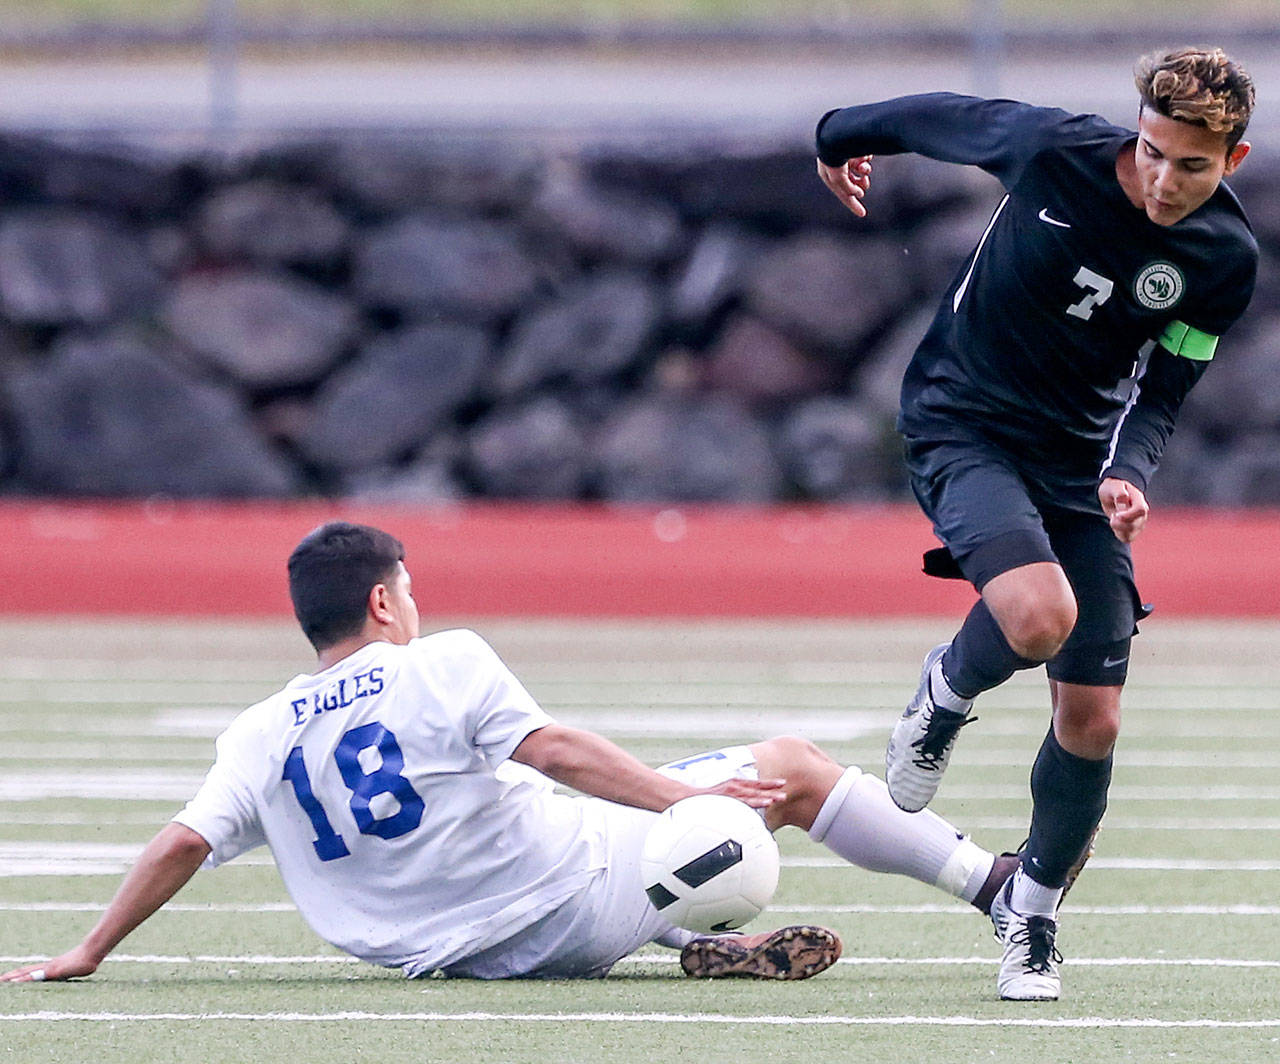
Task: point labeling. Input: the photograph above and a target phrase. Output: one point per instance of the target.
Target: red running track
(206, 559)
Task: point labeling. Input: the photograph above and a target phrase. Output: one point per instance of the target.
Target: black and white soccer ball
(709, 863)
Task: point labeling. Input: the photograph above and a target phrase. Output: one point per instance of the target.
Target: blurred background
(549, 250)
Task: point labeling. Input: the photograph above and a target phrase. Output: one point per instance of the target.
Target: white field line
(30, 754)
(703, 723)
(939, 909)
(1099, 864)
(663, 959)
(972, 823)
(1167, 675)
(172, 907)
(33, 858)
(1085, 1022)
(156, 784)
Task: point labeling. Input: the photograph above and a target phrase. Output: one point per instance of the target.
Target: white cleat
(1029, 967)
(921, 743)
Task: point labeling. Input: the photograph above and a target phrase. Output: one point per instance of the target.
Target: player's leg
(851, 813)
(982, 510)
(1072, 772)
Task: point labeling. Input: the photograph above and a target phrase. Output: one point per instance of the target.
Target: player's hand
(1125, 506)
(70, 965)
(848, 183)
(759, 794)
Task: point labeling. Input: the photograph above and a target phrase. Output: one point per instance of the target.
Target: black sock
(1069, 796)
(980, 657)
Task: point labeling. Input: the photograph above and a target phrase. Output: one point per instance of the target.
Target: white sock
(675, 938)
(860, 822)
(941, 692)
(1029, 898)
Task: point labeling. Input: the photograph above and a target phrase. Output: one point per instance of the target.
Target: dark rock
(830, 293)
(390, 399)
(939, 249)
(110, 176)
(834, 449)
(601, 224)
(910, 191)
(686, 448)
(429, 478)
(112, 417)
(375, 174)
(761, 367)
(1187, 470)
(266, 330)
(712, 275)
(421, 266)
(877, 382)
(1238, 392)
(778, 191)
(535, 451)
(271, 223)
(1250, 473)
(59, 267)
(596, 329)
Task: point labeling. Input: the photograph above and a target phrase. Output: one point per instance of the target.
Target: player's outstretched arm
(593, 765)
(164, 867)
(848, 182)
(1125, 506)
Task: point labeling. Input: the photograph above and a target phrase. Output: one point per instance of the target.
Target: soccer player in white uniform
(394, 789)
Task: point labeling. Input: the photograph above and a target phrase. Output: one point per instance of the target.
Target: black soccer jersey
(1037, 336)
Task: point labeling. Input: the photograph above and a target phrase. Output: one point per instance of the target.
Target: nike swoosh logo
(1111, 663)
(1044, 217)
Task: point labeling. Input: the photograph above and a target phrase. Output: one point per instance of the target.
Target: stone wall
(399, 318)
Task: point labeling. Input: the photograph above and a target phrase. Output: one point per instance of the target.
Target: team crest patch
(1159, 286)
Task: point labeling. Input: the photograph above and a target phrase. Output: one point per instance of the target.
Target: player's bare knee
(1038, 629)
(1088, 728)
(789, 757)
(809, 774)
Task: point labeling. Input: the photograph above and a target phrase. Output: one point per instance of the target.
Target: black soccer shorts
(994, 514)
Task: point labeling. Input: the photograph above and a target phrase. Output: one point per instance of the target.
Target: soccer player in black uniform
(1036, 410)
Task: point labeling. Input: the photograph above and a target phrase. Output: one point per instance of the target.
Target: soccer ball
(709, 863)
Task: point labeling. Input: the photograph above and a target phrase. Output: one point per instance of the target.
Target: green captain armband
(1181, 339)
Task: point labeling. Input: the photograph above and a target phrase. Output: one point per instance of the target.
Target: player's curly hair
(1203, 86)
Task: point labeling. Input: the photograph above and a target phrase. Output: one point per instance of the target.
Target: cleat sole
(790, 953)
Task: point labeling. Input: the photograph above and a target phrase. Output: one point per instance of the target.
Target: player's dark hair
(1203, 86)
(331, 573)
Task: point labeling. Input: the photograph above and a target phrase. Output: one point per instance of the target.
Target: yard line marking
(28, 754)
(158, 784)
(44, 858)
(943, 909)
(1137, 823)
(642, 958)
(211, 958)
(705, 722)
(1114, 1022)
(175, 907)
(938, 909)
(1097, 864)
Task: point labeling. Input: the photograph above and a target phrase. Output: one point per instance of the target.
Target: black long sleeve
(1148, 423)
(1000, 136)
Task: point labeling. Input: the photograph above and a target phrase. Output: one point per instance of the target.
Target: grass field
(1172, 936)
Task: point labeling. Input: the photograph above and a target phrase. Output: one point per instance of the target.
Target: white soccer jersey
(375, 785)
